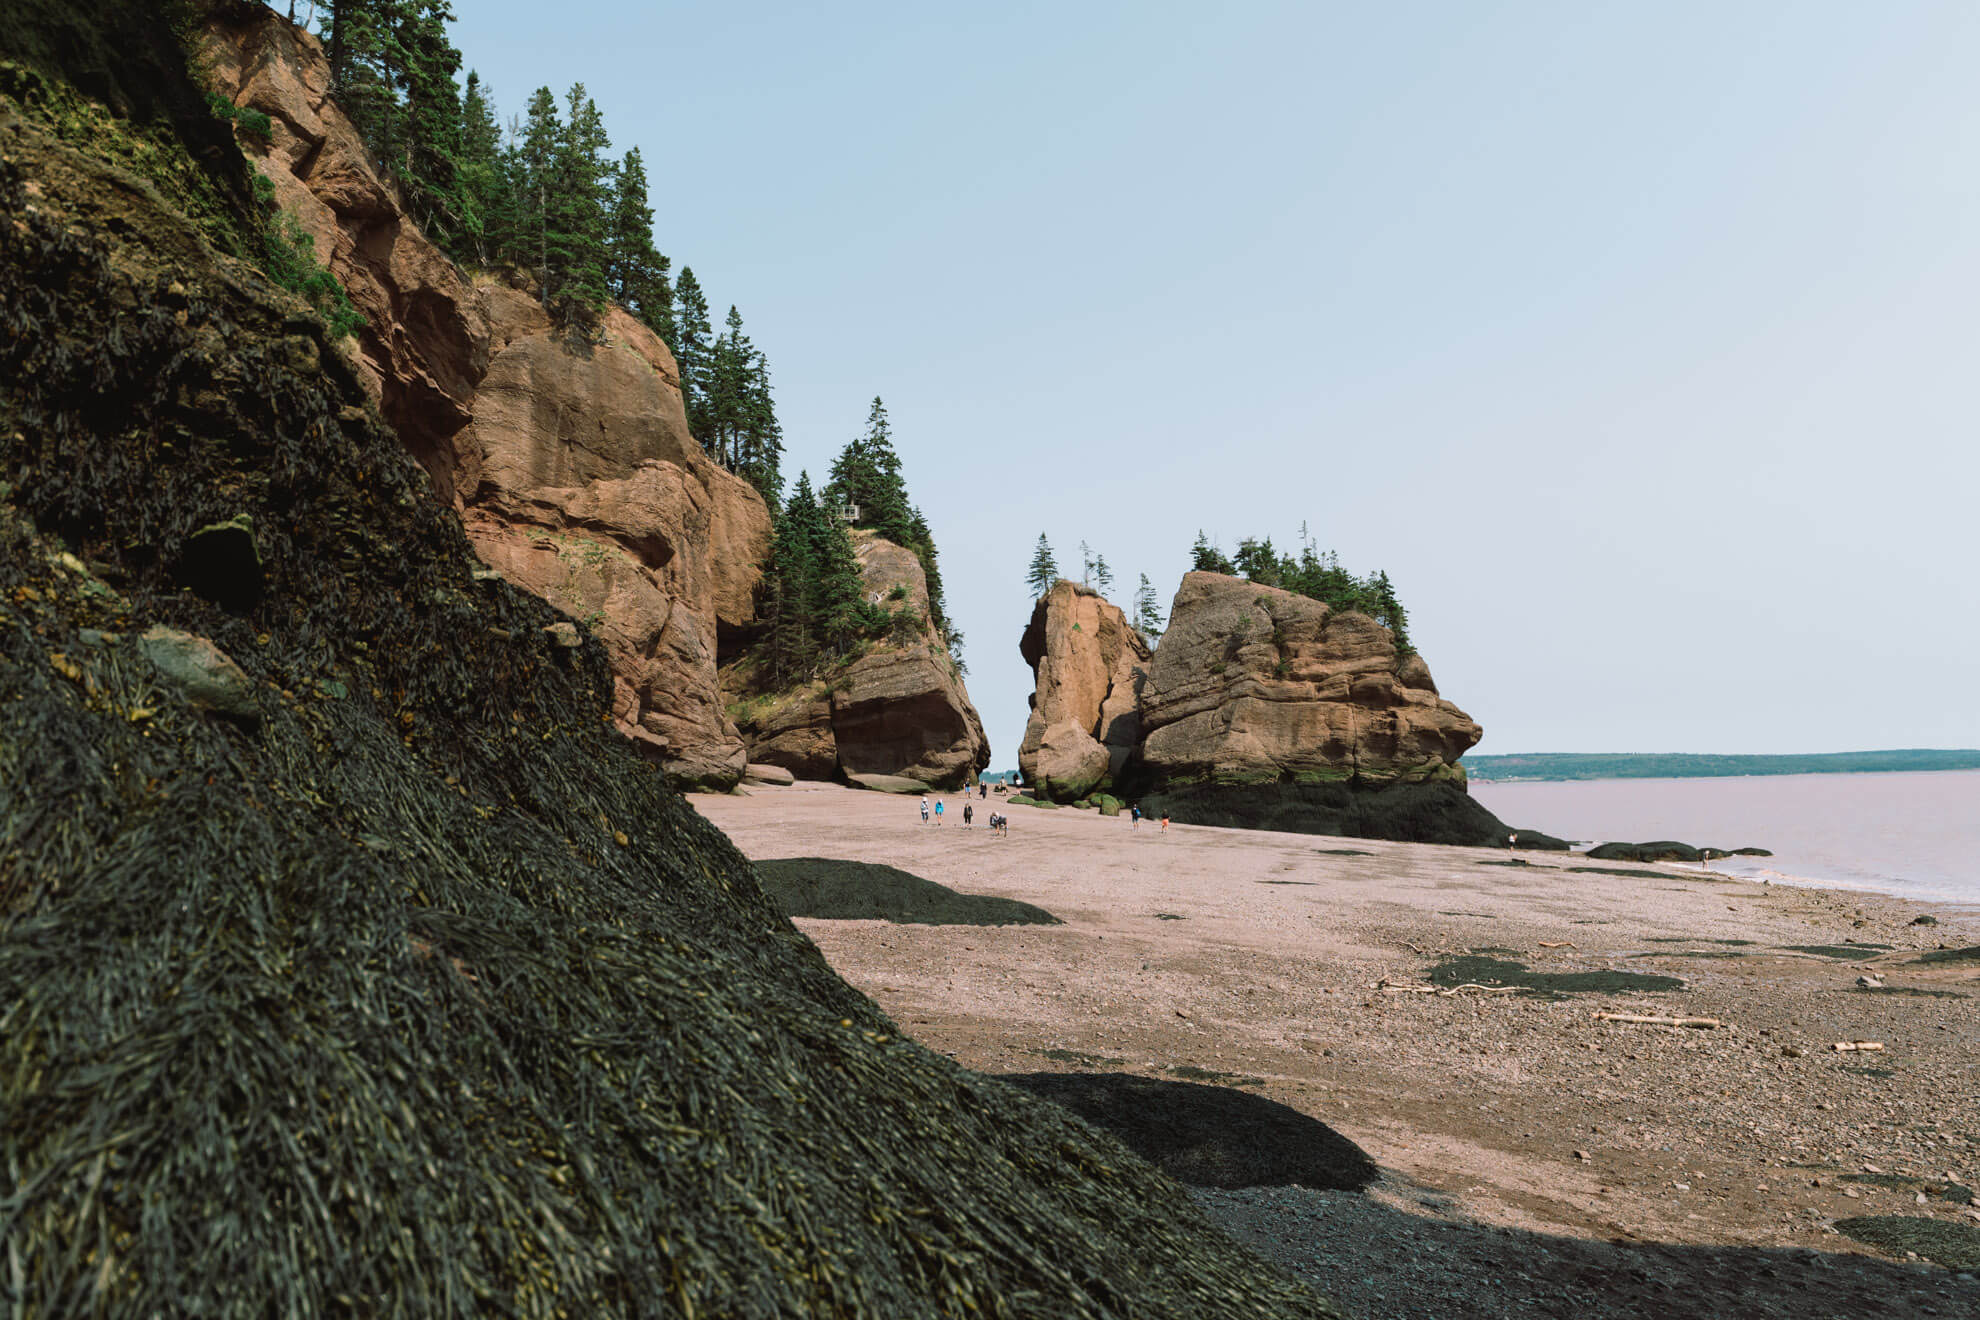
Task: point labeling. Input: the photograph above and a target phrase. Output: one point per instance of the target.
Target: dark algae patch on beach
(1478, 970)
(1968, 954)
(1846, 952)
(409, 989)
(840, 890)
(1955, 1246)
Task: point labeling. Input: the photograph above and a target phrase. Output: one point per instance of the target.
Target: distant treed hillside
(1686, 765)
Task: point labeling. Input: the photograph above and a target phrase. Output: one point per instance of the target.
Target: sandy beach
(1537, 1160)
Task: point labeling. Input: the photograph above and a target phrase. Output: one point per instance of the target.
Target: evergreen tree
(392, 72)
(1085, 565)
(487, 205)
(530, 166)
(839, 592)
(1258, 561)
(692, 350)
(430, 147)
(761, 460)
(867, 475)
(1044, 570)
(636, 273)
(1103, 576)
(1147, 610)
(789, 588)
(1205, 557)
(731, 363)
(574, 218)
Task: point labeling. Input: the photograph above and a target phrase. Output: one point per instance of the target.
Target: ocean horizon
(1911, 834)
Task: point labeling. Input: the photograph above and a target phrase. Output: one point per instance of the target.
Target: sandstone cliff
(571, 465)
(899, 709)
(1085, 717)
(1260, 707)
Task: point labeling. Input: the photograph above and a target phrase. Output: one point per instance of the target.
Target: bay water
(1915, 835)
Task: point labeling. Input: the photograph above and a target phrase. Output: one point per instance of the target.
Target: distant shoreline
(1686, 765)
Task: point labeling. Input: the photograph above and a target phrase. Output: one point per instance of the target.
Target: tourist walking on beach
(1134, 816)
(1165, 820)
(924, 808)
(969, 813)
(938, 811)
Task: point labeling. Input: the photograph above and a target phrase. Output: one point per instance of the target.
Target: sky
(1637, 343)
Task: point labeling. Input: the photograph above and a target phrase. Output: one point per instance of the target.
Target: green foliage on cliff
(1312, 574)
(811, 599)
(866, 479)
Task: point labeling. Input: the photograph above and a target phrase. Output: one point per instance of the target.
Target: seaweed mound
(406, 987)
(1955, 1246)
(1210, 1136)
(841, 890)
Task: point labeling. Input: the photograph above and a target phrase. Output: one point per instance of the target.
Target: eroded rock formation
(898, 710)
(1085, 718)
(571, 464)
(1260, 708)
(1257, 685)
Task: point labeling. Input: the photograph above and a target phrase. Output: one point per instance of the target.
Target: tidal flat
(1535, 1158)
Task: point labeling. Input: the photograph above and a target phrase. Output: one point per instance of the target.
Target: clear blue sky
(1636, 342)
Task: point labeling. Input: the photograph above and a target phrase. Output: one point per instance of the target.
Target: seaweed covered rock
(422, 994)
(1088, 665)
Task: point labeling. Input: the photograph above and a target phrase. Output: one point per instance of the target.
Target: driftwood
(1652, 1020)
(1848, 1045)
(1412, 988)
(1557, 944)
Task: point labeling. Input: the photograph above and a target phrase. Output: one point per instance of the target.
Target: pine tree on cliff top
(487, 201)
(867, 476)
(636, 273)
(574, 218)
(1044, 569)
(691, 349)
(1147, 611)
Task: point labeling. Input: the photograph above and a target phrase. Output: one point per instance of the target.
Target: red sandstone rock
(1252, 683)
(1085, 720)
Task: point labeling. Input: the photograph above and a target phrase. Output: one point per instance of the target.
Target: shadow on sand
(1296, 1191)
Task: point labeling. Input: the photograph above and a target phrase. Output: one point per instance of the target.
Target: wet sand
(1520, 1134)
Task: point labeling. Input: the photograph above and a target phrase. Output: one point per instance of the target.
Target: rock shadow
(836, 889)
(1209, 1136)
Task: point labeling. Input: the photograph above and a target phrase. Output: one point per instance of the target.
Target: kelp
(411, 990)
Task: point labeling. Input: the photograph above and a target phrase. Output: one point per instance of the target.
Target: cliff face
(1260, 708)
(898, 710)
(571, 465)
(1085, 713)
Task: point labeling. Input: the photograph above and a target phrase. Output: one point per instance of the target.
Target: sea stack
(1085, 716)
(1260, 708)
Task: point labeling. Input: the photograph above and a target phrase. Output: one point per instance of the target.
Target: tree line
(544, 195)
(1311, 574)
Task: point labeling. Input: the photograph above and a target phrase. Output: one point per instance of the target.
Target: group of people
(998, 822)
